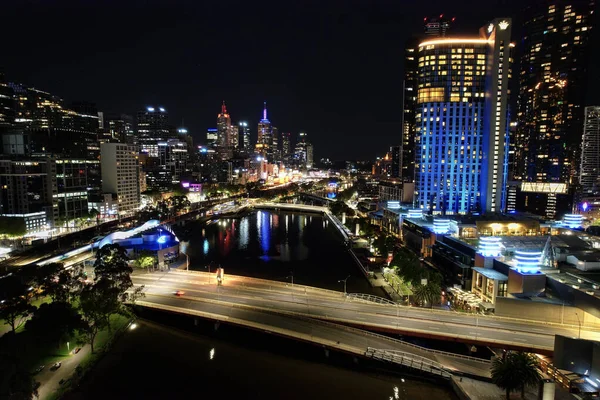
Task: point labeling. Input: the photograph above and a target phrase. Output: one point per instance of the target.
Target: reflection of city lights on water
(205, 247)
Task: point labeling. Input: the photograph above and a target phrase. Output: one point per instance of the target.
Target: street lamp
(579, 322)
(291, 276)
(344, 280)
(187, 262)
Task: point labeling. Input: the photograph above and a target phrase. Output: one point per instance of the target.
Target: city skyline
(328, 89)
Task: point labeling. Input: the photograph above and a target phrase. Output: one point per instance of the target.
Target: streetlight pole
(187, 262)
(579, 322)
(344, 280)
(292, 277)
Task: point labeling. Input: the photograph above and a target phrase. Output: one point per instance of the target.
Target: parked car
(76, 350)
(40, 369)
(179, 293)
(56, 366)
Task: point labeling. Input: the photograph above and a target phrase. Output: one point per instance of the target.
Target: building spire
(223, 108)
(265, 110)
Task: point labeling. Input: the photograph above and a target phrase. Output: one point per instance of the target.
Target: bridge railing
(409, 360)
(369, 298)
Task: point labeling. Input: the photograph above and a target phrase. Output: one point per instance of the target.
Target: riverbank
(171, 356)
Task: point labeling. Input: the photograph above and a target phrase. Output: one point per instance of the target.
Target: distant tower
(589, 176)
(265, 134)
(244, 139)
(437, 27)
(224, 144)
(152, 127)
(286, 147)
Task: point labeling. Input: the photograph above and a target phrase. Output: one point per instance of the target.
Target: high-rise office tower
(303, 152)
(461, 118)
(554, 55)
(120, 175)
(212, 137)
(152, 128)
(224, 134)
(120, 128)
(244, 139)
(396, 161)
(286, 147)
(589, 171)
(265, 134)
(309, 155)
(7, 105)
(433, 27)
(274, 152)
(28, 194)
(437, 26)
(235, 136)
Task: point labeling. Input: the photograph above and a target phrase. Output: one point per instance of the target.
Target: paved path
(477, 390)
(49, 379)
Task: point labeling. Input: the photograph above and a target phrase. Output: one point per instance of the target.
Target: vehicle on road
(56, 366)
(40, 369)
(76, 350)
(179, 293)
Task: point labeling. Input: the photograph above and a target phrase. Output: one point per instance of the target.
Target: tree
(527, 364)
(514, 371)
(18, 384)
(97, 303)
(429, 293)
(179, 203)
(14, 301)
(12, 226)
(145, 259)
(59, 283)
(55, 322)
(112, 266)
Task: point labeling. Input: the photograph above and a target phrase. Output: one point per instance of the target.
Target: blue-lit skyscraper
(461, 122)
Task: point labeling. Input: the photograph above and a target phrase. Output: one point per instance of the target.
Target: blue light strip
(489, 246)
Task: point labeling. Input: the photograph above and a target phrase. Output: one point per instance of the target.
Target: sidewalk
(471, 389)
(49, 380)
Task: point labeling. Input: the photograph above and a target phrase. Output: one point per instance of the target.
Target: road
(200, 288)
(49, 379)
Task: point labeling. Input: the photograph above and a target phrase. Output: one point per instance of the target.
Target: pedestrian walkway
(472, 389)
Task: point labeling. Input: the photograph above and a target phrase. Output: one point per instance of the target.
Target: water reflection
(270, 244)
(265, 233)
(244, 232)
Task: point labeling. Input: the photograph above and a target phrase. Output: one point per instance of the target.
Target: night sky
(330, 68)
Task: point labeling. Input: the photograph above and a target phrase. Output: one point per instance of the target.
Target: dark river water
(173, 357)
(157, 361)
(277, 245)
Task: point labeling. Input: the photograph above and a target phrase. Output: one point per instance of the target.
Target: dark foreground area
(157, 361)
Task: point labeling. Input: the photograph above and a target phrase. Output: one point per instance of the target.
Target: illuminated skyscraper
(152, 127)
(286, 147)
(437, 26)
(212, 137)
(554, 55)
(433, 27)
(244, 139)
(461, 122)
(590, 152)
(265, 134)
(224, 143)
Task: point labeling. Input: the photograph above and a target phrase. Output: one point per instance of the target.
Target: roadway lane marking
(433, 327)
(521, 340)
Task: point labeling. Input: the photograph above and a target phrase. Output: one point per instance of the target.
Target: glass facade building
(461, 122)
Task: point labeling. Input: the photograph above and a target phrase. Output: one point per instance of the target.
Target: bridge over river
(331, 319)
